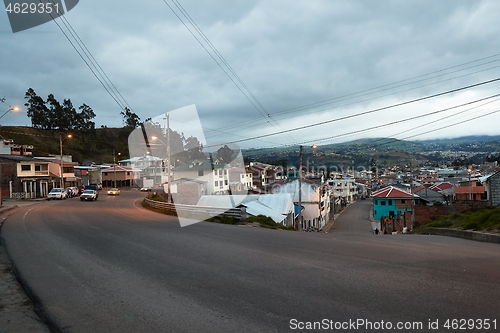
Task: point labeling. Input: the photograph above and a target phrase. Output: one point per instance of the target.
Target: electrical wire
(365, 112)
(90, 61)
(242, 86)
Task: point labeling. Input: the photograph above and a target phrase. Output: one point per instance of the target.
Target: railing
(195, 212)
(23, 195)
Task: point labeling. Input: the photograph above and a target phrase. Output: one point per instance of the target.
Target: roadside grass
(481, 220)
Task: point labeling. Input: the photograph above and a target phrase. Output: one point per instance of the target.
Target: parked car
(113, 191)
(57, 193)
(91, 195)
(145, 189)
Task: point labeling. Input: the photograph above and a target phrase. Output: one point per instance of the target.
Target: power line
(91, 62)
(375, 90)
(407, 119)
(366, 112)
(244, 88)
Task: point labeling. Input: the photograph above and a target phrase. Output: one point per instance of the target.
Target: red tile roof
(392, 192)
(416, 189)
(441, 186)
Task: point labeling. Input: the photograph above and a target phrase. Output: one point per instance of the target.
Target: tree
(225, 154)
(36, 110)
(51, 114)
(84, 118)
(194, 148)
(130, 118)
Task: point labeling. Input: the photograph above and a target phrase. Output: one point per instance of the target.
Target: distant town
(423, 185)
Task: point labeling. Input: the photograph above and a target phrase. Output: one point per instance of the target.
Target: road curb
(466, 234)
(4, 212)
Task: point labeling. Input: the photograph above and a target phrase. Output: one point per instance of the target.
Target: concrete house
(215, 174)
(431, 195)
(389, 202)
(492, 185)
(25, 177)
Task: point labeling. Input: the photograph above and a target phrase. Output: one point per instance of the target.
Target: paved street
(111, 266)
(355, 219)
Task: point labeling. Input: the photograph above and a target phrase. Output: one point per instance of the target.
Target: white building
(344, 188)
(216, 175)
(316, 200)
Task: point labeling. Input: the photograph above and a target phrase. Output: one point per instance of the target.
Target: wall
(425, 213)
(494, 190)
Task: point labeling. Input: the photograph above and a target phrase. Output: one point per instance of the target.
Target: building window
(403, 201)
(105, 173)
(225, 172)
(390, 202)
(128, 173)
(225, 182)
(37, 167)
(216, 183)
(25, 167)
(382, 203)
(200, 173)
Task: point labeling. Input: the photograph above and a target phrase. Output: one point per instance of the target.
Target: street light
(11, 109)
(61, 139)
(114, 165)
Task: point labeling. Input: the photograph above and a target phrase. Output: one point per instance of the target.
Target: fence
(23, 195)
(196, 212)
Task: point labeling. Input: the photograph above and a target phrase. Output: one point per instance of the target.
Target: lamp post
(61, 139)
(154, 138)
(114, 166)
(11, 109)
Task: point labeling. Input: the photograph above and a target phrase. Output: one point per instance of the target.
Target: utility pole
(168, 157)
(300, 189)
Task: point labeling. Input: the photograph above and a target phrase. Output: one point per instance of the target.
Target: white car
(91, 195)
(57, 193)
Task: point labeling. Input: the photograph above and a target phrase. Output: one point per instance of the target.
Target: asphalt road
(111, 266)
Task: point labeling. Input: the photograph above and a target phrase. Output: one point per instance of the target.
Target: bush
(482, 220)
(265, 221)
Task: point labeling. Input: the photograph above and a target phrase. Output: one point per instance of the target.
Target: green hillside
(94, 145)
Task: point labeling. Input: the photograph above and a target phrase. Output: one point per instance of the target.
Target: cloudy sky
(344, 64)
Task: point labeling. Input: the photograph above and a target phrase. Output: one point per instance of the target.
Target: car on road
(91, 187)
(145, 189)
(89, 195)
(113, 191)
(57, 193)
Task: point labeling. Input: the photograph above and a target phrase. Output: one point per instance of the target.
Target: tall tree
(36, 109)
(85, 117)
(225, 154)
(130, 118)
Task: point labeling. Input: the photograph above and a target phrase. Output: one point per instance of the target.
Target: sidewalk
(17, 312)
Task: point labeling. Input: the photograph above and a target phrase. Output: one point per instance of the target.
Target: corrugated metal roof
(257, 208)
(276, 206)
